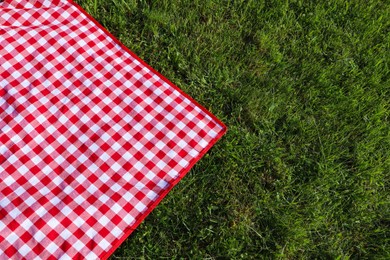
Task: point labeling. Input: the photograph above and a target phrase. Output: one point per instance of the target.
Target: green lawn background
(303, 87)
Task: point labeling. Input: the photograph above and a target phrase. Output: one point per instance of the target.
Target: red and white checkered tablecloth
(91, 137)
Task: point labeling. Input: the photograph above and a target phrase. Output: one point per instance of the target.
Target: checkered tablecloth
(91, 137)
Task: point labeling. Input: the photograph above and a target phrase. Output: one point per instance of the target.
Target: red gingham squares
(91, 137)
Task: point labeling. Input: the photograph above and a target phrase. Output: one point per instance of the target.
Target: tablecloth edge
(184, 172)
(223, 126)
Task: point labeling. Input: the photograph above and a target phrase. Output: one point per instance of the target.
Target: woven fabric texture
(91, 137)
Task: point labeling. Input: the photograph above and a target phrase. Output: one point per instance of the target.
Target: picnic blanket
(91, 137)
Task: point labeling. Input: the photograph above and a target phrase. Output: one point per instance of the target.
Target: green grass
(304, 89)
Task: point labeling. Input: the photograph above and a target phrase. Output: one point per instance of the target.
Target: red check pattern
(91, 137)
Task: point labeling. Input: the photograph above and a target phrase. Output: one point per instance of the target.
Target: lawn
(304, 89)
